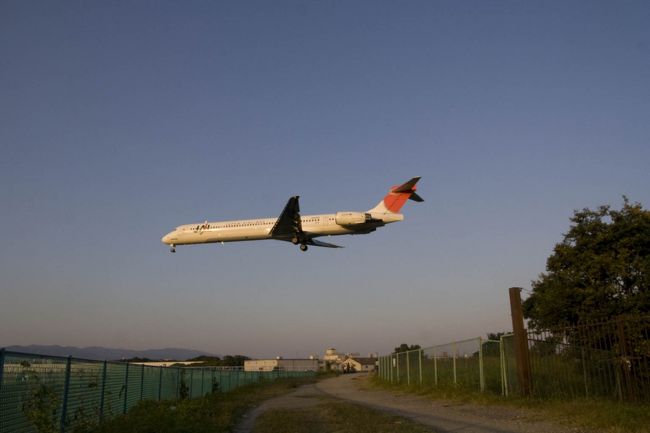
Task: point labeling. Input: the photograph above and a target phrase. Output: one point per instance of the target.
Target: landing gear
(295, 240)
(172, 248)
(303, 247)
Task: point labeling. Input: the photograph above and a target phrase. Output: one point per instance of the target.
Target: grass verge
(215, 413)
(603, 415)
(334, 417)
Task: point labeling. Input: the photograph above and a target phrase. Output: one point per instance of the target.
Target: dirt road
(440, 416)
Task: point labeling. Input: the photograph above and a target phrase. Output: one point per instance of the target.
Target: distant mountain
(106, 353)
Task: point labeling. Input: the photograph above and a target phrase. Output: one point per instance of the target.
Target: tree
(405, 347)
(495, 336)
(227, 361)
(600, 270)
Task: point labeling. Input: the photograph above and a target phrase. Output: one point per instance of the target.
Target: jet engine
(352, 218)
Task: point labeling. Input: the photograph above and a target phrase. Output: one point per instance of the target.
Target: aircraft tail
(397, 196)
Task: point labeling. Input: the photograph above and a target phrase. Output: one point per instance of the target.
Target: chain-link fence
(473, 364)
(608, 359)
(46, 393)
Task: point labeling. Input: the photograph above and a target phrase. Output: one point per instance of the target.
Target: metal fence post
(504, 372)
(160, 383)
(189, 396)
(397, 368)
(481, 376)
(66, 390)
(421, 353)
(408, 368)
(379, 369)
(386, 369)
(103, 393)
(126, 387)
(455, 352)
(2, 366)
(178, 383)
(142, 383)
(435, 367)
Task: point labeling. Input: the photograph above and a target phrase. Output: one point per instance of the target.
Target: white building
(358, 364)
(331, 355)
(281, 364)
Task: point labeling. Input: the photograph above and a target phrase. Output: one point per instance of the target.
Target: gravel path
(441, 416)
(305, 396)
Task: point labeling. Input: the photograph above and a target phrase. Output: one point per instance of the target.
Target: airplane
(300, 230)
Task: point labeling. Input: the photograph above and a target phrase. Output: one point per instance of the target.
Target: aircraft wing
(316, 243)
(289, 228)
(288, 224)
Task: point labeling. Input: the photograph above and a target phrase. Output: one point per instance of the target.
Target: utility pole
(521, 343)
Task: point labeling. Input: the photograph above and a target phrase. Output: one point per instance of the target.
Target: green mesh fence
(43, 393)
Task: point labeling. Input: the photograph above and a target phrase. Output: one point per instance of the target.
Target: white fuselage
(259, 229)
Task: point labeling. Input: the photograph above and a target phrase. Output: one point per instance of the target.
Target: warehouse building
(281, 364)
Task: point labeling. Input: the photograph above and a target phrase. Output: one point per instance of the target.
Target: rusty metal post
(627, 386)
(520, 342)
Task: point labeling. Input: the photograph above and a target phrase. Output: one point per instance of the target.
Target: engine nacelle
(351, 218)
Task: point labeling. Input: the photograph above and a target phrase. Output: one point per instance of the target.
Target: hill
(111, 354)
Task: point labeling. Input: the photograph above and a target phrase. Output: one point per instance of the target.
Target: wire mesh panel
(429, 367)
(43, 393)
(492, 374)
(196, 382)
(413, 364)
(134, 382)
(31, 393)
(226, 380)
(468, 363)
(245, 377)
(401, 367)
(608, 359)
(380, 369)
(445, 357)
(460, 363)
(169, 384)
(509, 366)
(150, 383)
(84, 394)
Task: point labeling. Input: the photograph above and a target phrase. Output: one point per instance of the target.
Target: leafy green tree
(227, 361)
(601, 269)
(405, 347)
(495, 336)
(234, 361)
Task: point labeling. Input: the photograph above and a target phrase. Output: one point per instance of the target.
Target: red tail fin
(395, 199)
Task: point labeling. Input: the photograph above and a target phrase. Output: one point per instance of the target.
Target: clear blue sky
(121, 120)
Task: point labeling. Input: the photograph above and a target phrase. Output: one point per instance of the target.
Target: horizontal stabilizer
(407, 186)
(416, 197)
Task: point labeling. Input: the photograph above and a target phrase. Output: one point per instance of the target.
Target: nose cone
(166, 239)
